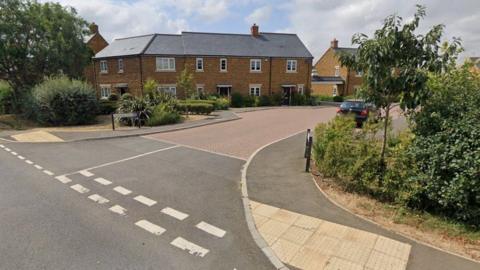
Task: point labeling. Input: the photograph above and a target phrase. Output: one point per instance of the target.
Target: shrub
(338, 99)
(61, 101)
(249, 101)
(277, 99)
(319, 98)
(299, 100)
(6, 97)
(162, 115)
(113, 97)
(195, 108)
(221, 104)
(237, 100)
(107, 107)
(264, 101)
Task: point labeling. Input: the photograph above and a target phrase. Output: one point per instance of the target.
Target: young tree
(396, 63)
(38, 40)
(150, 87)
(185, 83)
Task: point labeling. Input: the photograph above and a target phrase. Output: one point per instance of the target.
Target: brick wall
(238, 73)
(96, 43)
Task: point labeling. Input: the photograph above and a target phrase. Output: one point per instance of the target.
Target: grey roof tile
(166, 44)
(125, 46)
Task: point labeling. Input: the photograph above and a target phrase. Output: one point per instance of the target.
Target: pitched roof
(126, 46)
(210, 44)
(333, 79)
(346, 50)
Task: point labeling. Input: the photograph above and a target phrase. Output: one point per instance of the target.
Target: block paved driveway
(137, 203)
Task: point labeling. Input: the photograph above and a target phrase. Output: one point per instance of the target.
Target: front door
(287, 95)
(223, 91)
(122, 90)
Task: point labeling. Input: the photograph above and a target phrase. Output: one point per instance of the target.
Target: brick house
(331, 78)
(96, 43)
(251, 64)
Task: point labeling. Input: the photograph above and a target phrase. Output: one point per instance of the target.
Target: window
(103, 66)
(255, 65)
(165, 64)
(105, 91)
(291, 65)
(337, 71)
(168, 89)
(199, 65)
(120, 65)
(334, 92)
(300, 89)
(200, 90)
(359, 74)
(223, 64)
(255, 89)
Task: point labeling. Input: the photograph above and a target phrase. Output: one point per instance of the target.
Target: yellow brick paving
(36, 136)
(310, 243)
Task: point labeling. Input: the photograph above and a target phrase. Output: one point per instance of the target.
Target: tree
(185, 83)
(396, 64)
(39, 40)
(150, 87)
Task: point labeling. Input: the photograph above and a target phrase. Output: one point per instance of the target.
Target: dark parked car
(357, 108)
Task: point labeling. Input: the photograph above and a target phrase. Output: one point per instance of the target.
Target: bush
(338, 99)
(264, 101)
(61, 101)
(218, 103)
(299, 100)
(162, 115)
(277, 99)
(237, 100)
(195, 108)
(6, 97)
(107, 107)
(249, 101)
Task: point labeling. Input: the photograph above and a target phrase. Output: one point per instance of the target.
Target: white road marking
(38, 166)
(21, 157)
(98, 199)
(79, 188)
(192, 248)
(14, 153)
(145, 200)
(48, 172)
(102, 181)
(63, 179)
(2, 146)
(7, 149)
(174, 213)
(211, 229)
(86, 173)
(29, 161)
(118, 209)
(122, 190)
(150, 227)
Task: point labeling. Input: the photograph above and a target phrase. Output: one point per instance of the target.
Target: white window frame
(292, 66)
(337, 71)
(200, 89)
(255, 90)
(103, 66)
(165, 64)
(120, 65)
(199, 61)
(226, 65)
(300, 89)
(335, 90)
(255, 65)
(105, 91)
(167, 89)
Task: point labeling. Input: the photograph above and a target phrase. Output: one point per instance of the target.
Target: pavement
(275, 178)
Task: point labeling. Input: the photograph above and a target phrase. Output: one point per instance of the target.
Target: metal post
(113, 122)
(306, 143)
(309, 153)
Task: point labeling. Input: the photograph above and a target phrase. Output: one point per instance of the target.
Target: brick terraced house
(331, 78)
(250, 64)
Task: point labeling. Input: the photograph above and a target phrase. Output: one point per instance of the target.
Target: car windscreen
(353, 105)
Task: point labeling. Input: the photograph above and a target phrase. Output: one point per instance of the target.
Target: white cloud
(259, 15)
(207, 10)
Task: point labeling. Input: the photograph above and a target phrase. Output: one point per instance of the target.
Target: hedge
(195, 108)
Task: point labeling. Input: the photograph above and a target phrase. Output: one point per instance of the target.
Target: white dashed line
(145, 200)
(79, 188)
(192, 248)
(38, 166)
(98, 199)
(21, 157)
(47, 172)
(150, 227)
(118, 209)
(102, 181)
(14, 153)
(63, 179)
(29, 161)
(174, 213)
(7, 149)
(122, 190)
(211, 229)
(86, 173)
(2, 146)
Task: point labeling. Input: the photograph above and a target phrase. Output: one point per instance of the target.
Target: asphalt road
(48, 224)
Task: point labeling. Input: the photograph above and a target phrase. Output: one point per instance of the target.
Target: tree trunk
(384, 144)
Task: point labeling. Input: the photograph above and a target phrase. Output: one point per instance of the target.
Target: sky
(316, 22)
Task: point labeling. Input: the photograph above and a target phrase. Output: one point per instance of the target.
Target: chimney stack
(334, 43)
(254, 30)
(94, 28)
